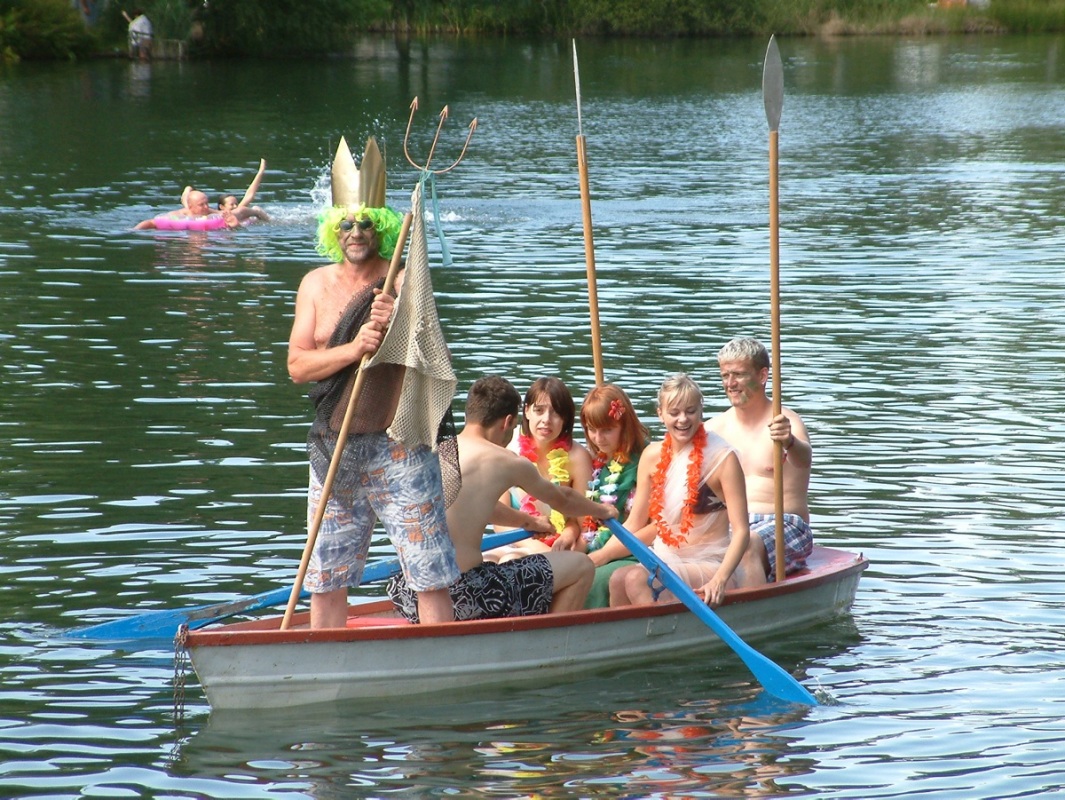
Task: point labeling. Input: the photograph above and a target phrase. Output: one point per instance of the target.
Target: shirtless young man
(557, 580)
(751, 428)
(341, 315)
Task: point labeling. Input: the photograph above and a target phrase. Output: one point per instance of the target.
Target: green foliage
(8, 30)
(171, 19)
(652, 17)
(1029, 16)
(730, 17)
(42, 29)
(286, 27)
(483, 16)
(645, 17)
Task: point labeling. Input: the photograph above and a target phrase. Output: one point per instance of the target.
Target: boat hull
(256, 665)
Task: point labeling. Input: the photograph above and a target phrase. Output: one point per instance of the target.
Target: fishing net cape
(413, 359)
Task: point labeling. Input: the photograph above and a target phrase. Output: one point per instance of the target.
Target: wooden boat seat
(372, 622)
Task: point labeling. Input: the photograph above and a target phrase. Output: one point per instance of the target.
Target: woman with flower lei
(616, 438)
(546, 439)
(690, 506)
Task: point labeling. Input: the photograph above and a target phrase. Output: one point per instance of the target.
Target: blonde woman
(690, 506)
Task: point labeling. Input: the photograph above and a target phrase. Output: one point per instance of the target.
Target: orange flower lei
(658, 488)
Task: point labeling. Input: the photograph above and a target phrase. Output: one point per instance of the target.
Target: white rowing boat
(254, 664)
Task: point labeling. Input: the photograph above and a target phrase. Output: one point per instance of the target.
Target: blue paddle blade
(164, 624)
(775, 680)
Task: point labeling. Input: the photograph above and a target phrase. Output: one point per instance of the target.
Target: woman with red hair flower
(616, 438)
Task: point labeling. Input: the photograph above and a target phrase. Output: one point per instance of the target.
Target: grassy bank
(672, 18)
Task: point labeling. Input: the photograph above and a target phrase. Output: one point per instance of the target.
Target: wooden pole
(586, 218)
(774, 292)
(773, 95)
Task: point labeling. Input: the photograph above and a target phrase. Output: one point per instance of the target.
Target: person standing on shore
(140, 35)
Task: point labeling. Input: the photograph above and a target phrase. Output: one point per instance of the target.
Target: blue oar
(164, 624)
(773, 678)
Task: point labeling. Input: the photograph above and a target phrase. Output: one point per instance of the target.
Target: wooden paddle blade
(775, 680)
(773, 84)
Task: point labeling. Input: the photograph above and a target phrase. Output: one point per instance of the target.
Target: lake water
(151, 445)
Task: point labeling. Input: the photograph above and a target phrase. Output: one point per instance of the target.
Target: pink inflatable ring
(212, 222)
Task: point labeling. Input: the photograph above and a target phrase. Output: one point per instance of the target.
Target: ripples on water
(153, 446)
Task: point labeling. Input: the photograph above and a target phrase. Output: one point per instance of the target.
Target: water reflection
(140, 76)
(624, 736)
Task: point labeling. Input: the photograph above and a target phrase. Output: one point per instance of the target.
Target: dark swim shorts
(519, 588)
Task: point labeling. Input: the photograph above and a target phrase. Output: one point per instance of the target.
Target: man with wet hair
(750, 427)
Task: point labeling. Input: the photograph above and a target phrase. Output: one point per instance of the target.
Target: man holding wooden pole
(371, 442)
(751, 427)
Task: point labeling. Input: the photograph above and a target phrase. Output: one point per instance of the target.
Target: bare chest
(331, 301)
(753, 446)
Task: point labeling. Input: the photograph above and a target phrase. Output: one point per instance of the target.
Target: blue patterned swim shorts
(402, 488)
(798, 541)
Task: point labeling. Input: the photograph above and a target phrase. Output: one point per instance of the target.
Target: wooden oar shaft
(589, 258)
(342, 437)
(774, 294)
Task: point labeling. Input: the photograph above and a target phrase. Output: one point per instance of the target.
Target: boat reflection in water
(681, 724)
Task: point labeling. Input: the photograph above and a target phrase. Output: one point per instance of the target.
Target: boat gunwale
(832, 566)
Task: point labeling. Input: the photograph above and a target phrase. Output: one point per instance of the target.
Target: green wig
(386, 224)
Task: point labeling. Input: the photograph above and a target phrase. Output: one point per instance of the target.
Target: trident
(436, 138)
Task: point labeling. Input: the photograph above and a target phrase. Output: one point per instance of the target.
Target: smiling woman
(691, 504)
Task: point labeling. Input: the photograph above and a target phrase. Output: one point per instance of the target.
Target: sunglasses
(364, 224)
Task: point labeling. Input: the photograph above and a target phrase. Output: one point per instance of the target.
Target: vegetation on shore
(285, 28)
(42, 29)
